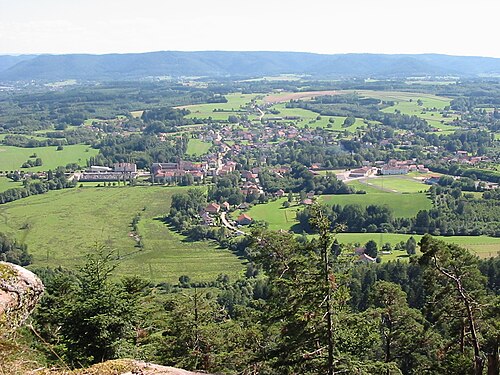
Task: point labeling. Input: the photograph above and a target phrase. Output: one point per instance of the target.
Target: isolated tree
(411, 246)
(371, 249)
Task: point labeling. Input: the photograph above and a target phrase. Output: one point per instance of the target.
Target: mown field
(395, 184)
(402, 205)
(7, 183)
(197, 147)
(64, 225)
(11, 158)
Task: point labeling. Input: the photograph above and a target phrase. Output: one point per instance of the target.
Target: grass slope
(7, 183)
(11, 158)
(63, 226)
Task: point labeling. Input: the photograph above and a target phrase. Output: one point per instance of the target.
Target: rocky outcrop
(119, 367)
(20, 291)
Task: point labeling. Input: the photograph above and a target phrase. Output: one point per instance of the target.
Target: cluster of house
(199, 170)
(463, 157)
(119, 172)
(212, 209)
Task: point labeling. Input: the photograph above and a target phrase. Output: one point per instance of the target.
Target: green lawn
(197, 147)
(11, 158)
(396, 184)
(7, 183)
(274, 213)
(63, 226)
(402, 205)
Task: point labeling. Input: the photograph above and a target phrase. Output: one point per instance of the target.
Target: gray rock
(20, 290)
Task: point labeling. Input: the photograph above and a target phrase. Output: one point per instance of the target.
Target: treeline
(301, 179)
(397, 318)
(14, 252)
(140, 149)
(55, 138)
(55, 181)
(453, 213)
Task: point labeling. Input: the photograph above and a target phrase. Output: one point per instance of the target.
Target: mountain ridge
(239, 64)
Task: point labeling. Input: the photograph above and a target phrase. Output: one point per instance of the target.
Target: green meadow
(310, 119)
(395, 184)
(402, 205)
(7, 183)
(234, 105)
(64, 225)
(11, 158)
(197, 147)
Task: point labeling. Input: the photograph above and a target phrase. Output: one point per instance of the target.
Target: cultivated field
(11, 158)
(62, 226)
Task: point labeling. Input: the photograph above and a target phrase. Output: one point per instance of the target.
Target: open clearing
(11, 158)
(221, 111)
(197, 147)
(63, 226)
(402, 205)
(396, 184)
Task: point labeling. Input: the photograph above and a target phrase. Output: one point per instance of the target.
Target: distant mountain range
(238, 64)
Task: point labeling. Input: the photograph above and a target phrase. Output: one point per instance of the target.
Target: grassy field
(406, 103)
(64, 225)
(483, 246)
(7, 183)
(273, 213)
(396, 184)
(402, 205)
(197, 147)
(11, 158)
(309, 118)
(232, 107)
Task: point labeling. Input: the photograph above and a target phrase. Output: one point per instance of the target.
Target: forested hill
(238, 64)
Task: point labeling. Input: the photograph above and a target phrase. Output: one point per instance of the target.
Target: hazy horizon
(356, 26)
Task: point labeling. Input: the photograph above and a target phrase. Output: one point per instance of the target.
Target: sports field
(63, 225)
(395, 184)
(11, 158)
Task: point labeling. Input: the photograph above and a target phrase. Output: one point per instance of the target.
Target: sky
(458, 27)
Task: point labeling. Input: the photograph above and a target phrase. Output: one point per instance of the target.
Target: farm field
(11, 158)
(232, 107)
(7, 183)
(309, 118)
(63, 226)
(396, 184)
(402, 205)
(197, 147)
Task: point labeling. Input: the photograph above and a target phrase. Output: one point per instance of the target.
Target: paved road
(228, 225)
